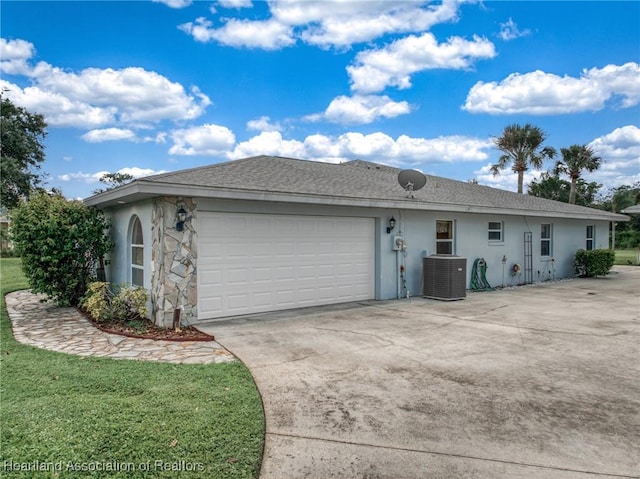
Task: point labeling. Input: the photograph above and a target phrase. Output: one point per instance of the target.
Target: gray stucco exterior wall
(170, 257)
(471, 241)
(119, 260)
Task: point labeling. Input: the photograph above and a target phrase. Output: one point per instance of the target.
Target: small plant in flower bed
(124, 311)
(105, 305)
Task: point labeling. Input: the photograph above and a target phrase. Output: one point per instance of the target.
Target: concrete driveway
(535, 382)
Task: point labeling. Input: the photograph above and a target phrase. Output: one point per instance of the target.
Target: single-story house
(269, 233)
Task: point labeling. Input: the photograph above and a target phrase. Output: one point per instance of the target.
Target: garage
(253, 263)
(270, 233)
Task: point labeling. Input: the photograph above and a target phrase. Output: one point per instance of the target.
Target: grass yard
(77, 417)
(628, 256)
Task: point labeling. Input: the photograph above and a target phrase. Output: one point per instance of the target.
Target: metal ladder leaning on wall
(528, 257)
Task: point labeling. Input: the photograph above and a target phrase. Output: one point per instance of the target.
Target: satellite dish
(411, 180)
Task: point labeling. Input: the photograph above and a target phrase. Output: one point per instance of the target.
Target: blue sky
(147, 87)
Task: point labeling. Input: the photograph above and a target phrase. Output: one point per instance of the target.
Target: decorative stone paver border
(65, 330)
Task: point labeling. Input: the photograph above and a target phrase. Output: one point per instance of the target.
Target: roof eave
(140, 190)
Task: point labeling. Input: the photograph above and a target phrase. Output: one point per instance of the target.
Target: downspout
(398, 292)
(401, 264)
(398, 263)
(613, 225)
(401, 270)
(613, 235)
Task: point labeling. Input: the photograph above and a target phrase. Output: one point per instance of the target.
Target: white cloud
(394, 64)
(376, 146)
(505, 181)
(175, 3)
(323, 148)
(101, 135)
(136, 94)
(373, 145)
(201, 30)
(202, 140)
(96, 97)
(14, 55)
(263, 124)
(541, 93)
(341, 24)
(137, 172)
(88, 178)
(447, 149)
(622, 142)
(620, 152)
(618, 81)
(92, 178)
(160, 137)
(268, 143)
(361, 109)
(406, 149)
(108, 134)
(510, 31)
(235, 3)
(326, 23)
(58, 109)
(268, 34)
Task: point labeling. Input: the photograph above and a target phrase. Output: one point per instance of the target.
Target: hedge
(61, 243)
(595, 262)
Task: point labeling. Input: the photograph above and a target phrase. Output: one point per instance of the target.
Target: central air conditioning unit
(445, 277)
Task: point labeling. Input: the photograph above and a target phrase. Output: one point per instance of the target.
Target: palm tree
(522, 146)
(575, 160)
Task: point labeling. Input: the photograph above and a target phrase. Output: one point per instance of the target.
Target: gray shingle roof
(632, 210)
(355, 182)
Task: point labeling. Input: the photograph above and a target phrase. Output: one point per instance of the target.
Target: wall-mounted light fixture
(392, 224)
(181, 216)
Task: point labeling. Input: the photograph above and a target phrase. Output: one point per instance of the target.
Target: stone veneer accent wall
(174, 262)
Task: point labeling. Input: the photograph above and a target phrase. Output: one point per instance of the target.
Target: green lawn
(94, 417)
(628, 256)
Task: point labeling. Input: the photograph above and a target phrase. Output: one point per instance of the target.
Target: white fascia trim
(140, 189)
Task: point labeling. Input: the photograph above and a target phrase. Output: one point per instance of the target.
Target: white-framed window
(137, 253)
(546, 240)
(495, 231)
(444, 237)
(591, 237)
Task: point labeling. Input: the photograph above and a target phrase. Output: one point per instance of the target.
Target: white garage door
(255, 263)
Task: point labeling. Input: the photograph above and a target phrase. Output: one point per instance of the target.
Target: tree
(21, 152)
(621, 197)
(522, 148)
(628, 232)
(61, 242)
(552, 187)
(575, 160)
(113, 180)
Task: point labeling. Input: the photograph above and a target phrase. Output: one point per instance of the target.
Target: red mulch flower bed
(145, 329)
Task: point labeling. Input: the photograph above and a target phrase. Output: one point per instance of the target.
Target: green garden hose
(479, 276)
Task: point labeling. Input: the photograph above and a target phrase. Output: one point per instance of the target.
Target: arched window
(137, 253)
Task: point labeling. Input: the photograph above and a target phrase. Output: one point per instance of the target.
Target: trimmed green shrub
(103, 304)
(61, 243)
(595, 262)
